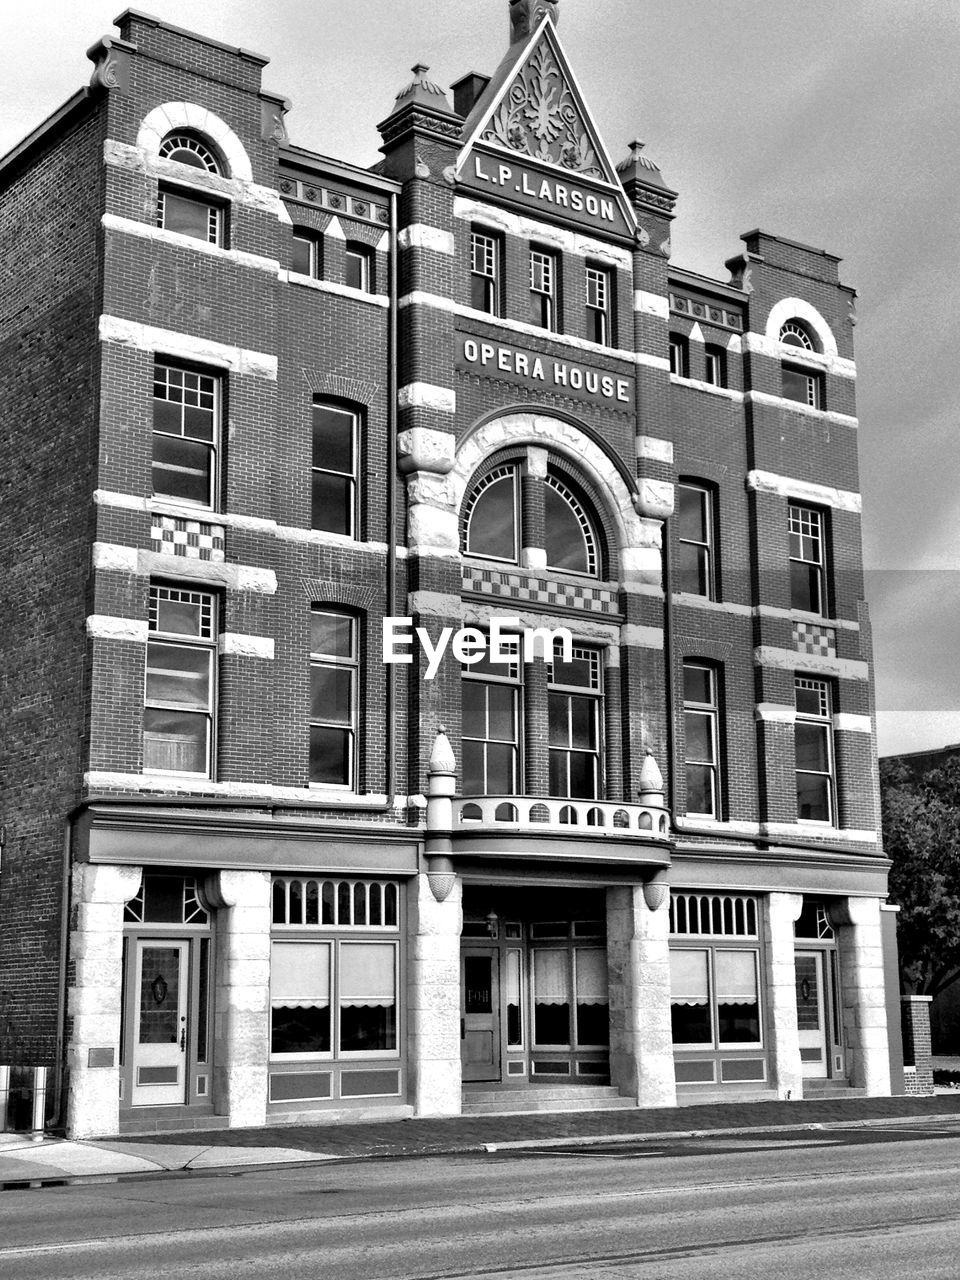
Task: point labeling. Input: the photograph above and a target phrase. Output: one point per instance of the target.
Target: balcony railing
(593, 817)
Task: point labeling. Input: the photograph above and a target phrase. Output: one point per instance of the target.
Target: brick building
(256, 402)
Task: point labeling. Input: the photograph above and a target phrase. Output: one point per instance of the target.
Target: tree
(921, 834)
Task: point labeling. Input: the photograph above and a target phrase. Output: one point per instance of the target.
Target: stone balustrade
(534, 813)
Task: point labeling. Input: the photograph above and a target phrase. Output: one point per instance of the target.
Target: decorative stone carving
(540, 117)
(111, 60)
(272, 125)
(526, 14)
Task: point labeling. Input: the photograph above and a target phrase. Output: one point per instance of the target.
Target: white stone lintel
(101, 626)
(790, 660)
(186, 346)
(654, 449)
(110, 556)
(160, 235)
(784, 402)
(233, 642)
(641, 637)
(424, 395)
(651, 304)
(804, 490)
(778, 712)
(418, 235)
(286, 276)
(849, 722)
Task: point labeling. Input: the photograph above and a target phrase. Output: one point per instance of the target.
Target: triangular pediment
(533, 114)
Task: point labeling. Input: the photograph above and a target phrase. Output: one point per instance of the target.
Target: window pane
(579, 672)
(332, 503)
(178, 675)
(583, 776)
(500, 769)
(689, 997)
(333, 438)
(798, 386)
(693, 514)
(301, 257)
(565, 542)
(357, 269)
(181, 617)
(813, 797)
(493, 521)
(559, 720)
(812, 747)
(583, 723)
(331, 634)
(181, 469)
(698, 728)
(691, 569)
(330, 755)
(474, 782)
(502, 703)
(368, 1021)
(700, 797)
(331, 694)
(187, 216)
(805, 586)
(175, 741)
(551, 986)
(697, 685)
(474, 709)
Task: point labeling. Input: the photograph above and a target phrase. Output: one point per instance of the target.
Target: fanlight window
(795, 334)
(571, 544)
(493, 521)
(187, 149)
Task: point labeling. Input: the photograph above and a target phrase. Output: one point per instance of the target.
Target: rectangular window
(701, 733)
(715, 366)
(599, 306)
(543, 289)
(358, 268)
(491, 719)
(813, 734)
(679, 356)
(367, 997)
(305, 254)
(807, 558)
(333, 698)
(190, 215)
(695, 558)
(186, 433)
(180, 680)
(485, 257)
(714, 997)
(300, 998)
(574, 708)
(334, 471)
(802, 385)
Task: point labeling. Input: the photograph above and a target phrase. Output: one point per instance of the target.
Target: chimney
(467, 91)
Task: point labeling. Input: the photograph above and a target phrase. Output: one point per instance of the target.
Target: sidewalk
(24, 1162)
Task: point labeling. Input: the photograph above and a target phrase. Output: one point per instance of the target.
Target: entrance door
(160, 1040)
(480, 1010)
(811, 1013)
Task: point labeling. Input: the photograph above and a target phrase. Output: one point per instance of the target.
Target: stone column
(786, 1071)
(94, 996)
(860, 950)
(433, 992)
(241, 1035)
(638, 965)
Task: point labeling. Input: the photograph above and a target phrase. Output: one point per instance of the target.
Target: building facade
(276, 426)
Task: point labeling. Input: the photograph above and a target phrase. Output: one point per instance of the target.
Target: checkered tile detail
(519, 586)
(193, 539)
(809, 638)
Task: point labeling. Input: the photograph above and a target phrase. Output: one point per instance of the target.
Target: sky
(833, 123)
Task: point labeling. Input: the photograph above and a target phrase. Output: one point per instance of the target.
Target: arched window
(188, 212)
(187, 148)
(570, 541)
(796, 334)
(492, 516)
(799, 382)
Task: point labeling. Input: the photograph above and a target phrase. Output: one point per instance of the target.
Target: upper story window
(180, 681)
(679, 356)
(715, 366)
(190, 213)
(306, 253)
(334, 469)
(701, 715)
(574, 711)
(805, 385)
(492, 521)
(358, 269)
(599, 305)
(807, 558)
(695, 572)
(186, 433)
(491, 719)
(486, 256)
(543, 288)
(188, 148)
(333, 697)
(814, 750)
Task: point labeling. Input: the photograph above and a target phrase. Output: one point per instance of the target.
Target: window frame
(812, 379)
(486, 674)
(715, 365)
(592, 691)
(350, 478)
(577, 508)
(355, 251)
(491, 274)
(822, 720)
(480, 486)
(712, 951)
(799, 514)
(205, 641)
(679, 354)
(320, 660)
(707, 547)
(213, 447)
(708, 711)
(216, 234)
(314, 243)
(599, 313)
(544, 288)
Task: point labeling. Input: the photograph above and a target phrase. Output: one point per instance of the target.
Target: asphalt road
(858, 1204)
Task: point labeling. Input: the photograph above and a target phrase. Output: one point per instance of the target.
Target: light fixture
(493, 924)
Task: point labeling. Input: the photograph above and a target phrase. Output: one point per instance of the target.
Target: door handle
(183, 1039)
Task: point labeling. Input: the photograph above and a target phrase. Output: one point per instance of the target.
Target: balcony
(596, 818)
